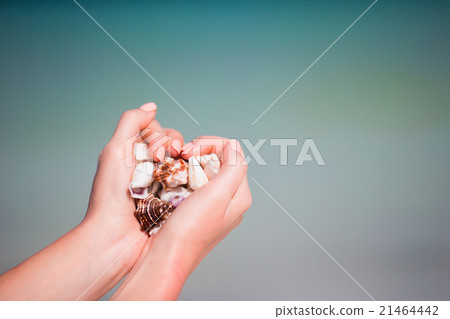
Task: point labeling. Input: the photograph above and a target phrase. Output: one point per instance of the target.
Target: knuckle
(248, 201)
(111, 151)
(238, 221)
(105, 153)
(129, 115)
(243, 164)
(99, 158)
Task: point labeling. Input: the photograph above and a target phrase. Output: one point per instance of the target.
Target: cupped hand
(111, 208)
(195, 227)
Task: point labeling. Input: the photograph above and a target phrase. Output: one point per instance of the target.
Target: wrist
(156, 276)
(114, 239)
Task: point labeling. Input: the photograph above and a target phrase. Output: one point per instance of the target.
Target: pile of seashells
(159, 188)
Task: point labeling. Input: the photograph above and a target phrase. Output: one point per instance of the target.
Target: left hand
(111, 208)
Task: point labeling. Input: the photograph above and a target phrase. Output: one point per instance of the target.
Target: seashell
(211, 166)
(155, 187)
(171, 173)
(138, 192)
(142, 175)
(158, 188)
(175, 195)
(197, 176)
(141, 151)
(151, 211)
(155, 229)
(205, 158)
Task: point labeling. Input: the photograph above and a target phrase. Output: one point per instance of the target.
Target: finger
(206, 145)
(176, 141)
(157, 142)
(231, 173)
(163, 141)
(240, 202)
(154, 137)
(132, 122)
(152, 133)
(208, 205)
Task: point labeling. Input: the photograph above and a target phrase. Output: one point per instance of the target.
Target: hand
(194, 228)
(111, 207)
(93, 257)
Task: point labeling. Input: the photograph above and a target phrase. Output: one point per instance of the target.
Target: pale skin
(89, 260)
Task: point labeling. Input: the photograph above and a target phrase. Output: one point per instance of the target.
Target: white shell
(175, 195)
(154, 230)
(141, 152)
(142, 175)
(212, 166)
(155, 187)
(204, 158)
(138, 192)
(197, 176)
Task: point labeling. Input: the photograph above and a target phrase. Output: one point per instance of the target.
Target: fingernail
(148, 107)
(159, 154)
(187, 148)
(176, 146)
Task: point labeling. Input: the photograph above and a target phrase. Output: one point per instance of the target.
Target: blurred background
(377, 106)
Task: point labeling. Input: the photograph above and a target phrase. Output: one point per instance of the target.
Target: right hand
(194, 228)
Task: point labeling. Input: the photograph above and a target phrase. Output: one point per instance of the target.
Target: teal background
(377, 106)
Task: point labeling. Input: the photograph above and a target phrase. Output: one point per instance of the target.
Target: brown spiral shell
(151, 211)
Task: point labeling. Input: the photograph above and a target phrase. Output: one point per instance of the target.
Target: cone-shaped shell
(151, 211)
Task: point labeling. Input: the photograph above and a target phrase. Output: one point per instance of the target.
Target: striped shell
(151, 211)
(171, 172)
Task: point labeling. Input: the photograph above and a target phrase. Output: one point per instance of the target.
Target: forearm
(67, 267)
(158, 275)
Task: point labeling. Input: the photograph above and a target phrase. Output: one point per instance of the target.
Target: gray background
(377, 106)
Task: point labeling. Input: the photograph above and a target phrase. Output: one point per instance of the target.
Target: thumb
(134, 121)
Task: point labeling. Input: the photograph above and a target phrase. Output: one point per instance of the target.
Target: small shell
(205, 158)
(141, 152)
(175, 195)
(151, 211)
(142, 175)
(197, 177)
(155, 187)
(211, 166)
(171, 173)
(139, 192)
(155, 229)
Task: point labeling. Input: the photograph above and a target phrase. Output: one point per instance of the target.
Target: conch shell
(151, 211)
(171, 172)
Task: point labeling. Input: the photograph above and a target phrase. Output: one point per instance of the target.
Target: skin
(89, 260)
